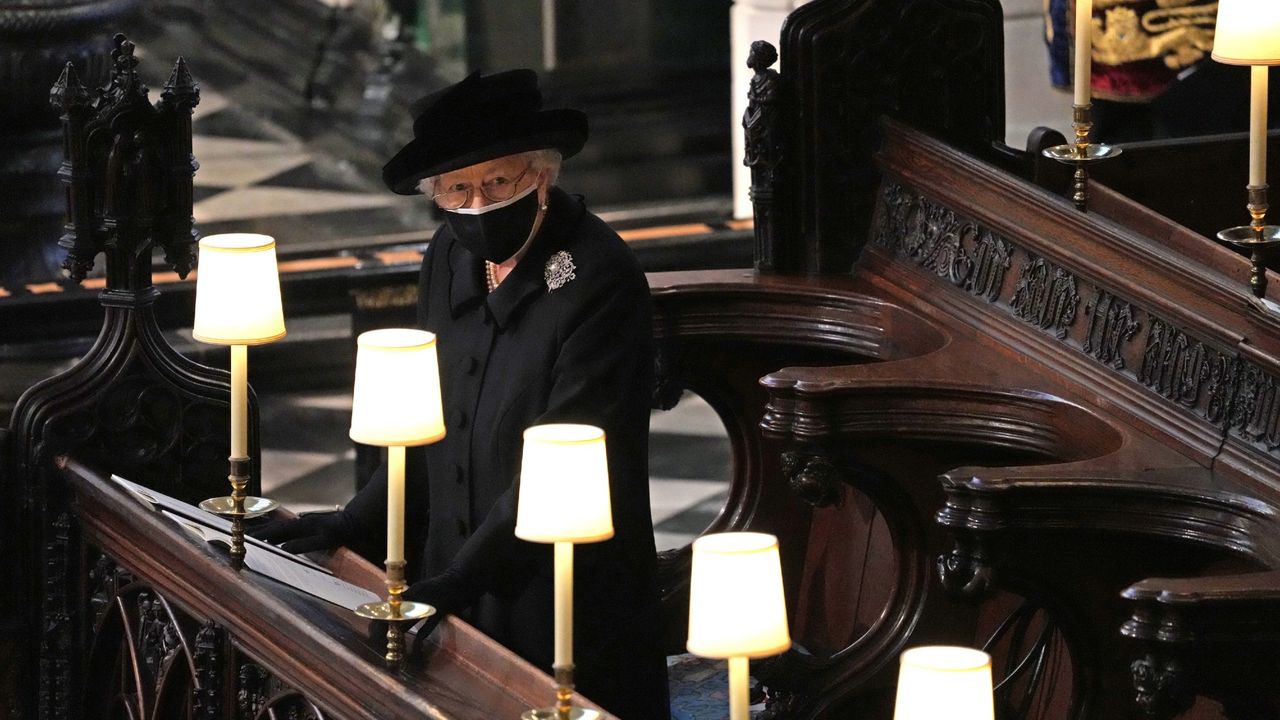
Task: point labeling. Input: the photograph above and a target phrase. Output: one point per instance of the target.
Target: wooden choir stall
(971, 413)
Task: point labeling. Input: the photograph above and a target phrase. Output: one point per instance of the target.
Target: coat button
(462, 527)
(469, 365)
(459, 474)
(459, 419)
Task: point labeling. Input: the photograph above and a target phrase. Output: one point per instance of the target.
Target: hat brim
(561, 129)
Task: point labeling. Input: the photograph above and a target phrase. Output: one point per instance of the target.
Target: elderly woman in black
(543, 316)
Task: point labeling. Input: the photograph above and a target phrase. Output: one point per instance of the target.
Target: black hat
(479, 119)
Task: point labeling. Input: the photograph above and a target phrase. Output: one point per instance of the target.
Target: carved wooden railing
(171, 630)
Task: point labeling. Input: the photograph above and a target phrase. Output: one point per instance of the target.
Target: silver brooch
(559, 270)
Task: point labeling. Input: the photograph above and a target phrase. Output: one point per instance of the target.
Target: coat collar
(466, 284)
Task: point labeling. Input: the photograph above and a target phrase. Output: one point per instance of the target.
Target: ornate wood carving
(208, 659)
(251, 690)
(158, 638)
(1255, 415)
(813, 478)
(1125, 337)
(153, 658)
(1174, 364)
(762, 124)
(1111, 324)
(1046, 297)
(966, 571)
(127, 188)
(1025, 637)
(934, 237)
(57, 641)
(1160, 688)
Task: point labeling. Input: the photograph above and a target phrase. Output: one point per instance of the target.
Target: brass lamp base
(1093, 152)
(563, 709)
(226, 506)
(1260, 241)
(1081, 153)
(395, 612)
(238, 506)
(383, 612)
(1081, 156)
(550, 713)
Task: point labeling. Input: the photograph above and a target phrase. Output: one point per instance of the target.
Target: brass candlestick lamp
(944, 682)
(238, 304)
(1248, 33)
(396, 404)
(1082, 153)
(564, 499)
(737, 608)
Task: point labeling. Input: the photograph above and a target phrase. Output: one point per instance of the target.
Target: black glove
(447, 593)
(310, 532)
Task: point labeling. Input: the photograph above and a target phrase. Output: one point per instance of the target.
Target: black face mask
(497, 231)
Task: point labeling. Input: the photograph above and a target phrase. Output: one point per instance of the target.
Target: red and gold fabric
(1139, 46)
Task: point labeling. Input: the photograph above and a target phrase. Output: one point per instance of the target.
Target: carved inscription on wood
(1208, 380)
(1120, 335)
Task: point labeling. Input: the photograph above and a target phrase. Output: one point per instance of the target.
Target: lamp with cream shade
(1248, 33)
(944, 682)
(238, 304)
(737, 608)
(396, 404)
(563, 499)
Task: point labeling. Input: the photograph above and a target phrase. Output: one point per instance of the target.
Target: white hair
(546, 161)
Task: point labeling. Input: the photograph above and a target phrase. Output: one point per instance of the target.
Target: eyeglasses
(495, 189)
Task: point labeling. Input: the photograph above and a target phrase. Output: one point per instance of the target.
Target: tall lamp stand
(396, 403)
(238, 304)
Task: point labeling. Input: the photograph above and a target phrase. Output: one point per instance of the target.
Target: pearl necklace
(491, 275)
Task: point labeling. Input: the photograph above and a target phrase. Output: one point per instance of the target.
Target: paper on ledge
(261, 557)
(153, 499)
(285, 570)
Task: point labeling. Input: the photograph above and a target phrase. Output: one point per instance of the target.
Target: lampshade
(736, 602)
(564, 485)
(397, 389)
(1248, 32)
(238, 291)
(941, 681)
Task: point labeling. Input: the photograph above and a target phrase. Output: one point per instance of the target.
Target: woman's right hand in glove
(310, 532)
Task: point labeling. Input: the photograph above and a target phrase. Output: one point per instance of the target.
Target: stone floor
(308, 462)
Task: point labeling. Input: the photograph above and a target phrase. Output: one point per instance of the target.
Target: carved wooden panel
(148, 658)
(1098, 321)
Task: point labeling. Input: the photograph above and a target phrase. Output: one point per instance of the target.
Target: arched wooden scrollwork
(262, 696)
(141, 660)
(1031, 658)
(150, 660)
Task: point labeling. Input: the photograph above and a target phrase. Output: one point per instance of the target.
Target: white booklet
(261, 557)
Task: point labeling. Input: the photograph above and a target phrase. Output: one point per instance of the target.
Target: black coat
(526, 355)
